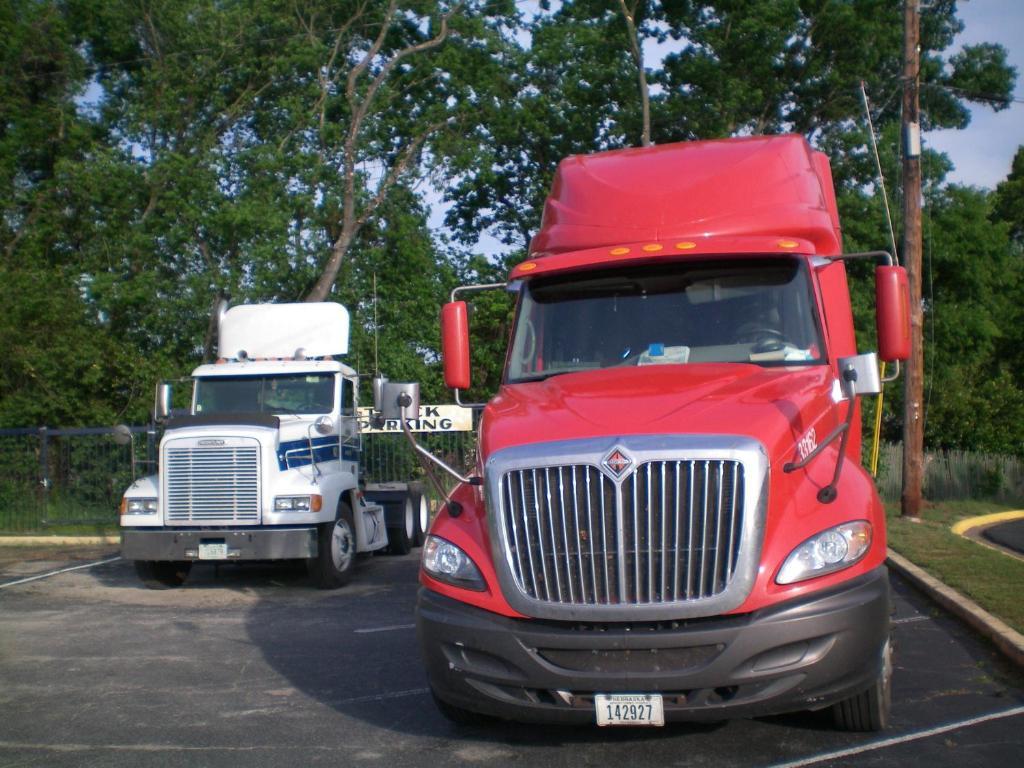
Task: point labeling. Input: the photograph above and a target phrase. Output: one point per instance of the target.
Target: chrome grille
(212, 484)
(669, 532)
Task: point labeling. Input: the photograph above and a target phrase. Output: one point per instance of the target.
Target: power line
(975, 96)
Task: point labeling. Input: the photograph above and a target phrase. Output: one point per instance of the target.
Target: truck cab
(264, 465)
(670, 520)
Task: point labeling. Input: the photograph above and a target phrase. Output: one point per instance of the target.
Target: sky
(983, 152)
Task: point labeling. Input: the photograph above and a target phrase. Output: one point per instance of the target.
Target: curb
(964, 526)
(62, 541)
(973, 529)
(1009, 642)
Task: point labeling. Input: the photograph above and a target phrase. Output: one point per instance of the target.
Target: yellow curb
(963, 526)
(61, 541)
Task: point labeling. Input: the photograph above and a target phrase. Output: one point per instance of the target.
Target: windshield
(311, 393)
(739, 311)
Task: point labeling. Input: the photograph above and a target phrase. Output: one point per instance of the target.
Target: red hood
(773, 405)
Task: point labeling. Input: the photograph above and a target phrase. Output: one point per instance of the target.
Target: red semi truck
(669, 519)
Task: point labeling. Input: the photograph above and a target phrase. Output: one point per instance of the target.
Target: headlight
(138, 506)
(828, 551)
(446, 562)
(297, 503)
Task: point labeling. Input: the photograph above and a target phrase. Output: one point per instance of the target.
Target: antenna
(376, 359)
(881, 177)
(880, 403)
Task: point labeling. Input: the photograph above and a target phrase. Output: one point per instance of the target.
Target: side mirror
(401, 401)
(162, 407)
(122, 434)
(324, 425)
(379, 382)
(860, 374)
(455, 344)
(892, 307)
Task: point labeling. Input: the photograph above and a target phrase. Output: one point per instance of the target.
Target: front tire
(868, 710)
(162, 574)
(336, 551)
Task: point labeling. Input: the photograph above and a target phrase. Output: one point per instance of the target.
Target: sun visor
(284, 330)
(761, 186)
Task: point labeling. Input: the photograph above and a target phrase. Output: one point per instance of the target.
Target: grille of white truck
(213, 483)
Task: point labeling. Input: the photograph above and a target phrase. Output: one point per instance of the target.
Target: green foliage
(972, 291)
(158, 158)
(1008, 205)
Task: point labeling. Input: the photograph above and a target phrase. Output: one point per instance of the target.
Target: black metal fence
(66, 477)
(75, 477)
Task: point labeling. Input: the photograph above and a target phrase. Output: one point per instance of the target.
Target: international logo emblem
(617, 462)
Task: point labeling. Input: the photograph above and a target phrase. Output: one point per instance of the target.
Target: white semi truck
(265, 463)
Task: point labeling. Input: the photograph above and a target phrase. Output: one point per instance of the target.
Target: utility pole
(913, 382)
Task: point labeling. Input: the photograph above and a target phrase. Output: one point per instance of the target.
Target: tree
(368, 69)
(1008, 205)
(552, 105)
(255, 141)
(630, 16)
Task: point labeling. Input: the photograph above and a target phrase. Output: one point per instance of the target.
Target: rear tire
(162, 574)
(421, 508)
(336, 551)
(868, 710)
(400, 537)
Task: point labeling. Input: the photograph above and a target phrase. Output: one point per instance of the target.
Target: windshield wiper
(542, 375)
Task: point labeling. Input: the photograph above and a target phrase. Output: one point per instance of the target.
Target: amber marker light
(788, 243)
(686, 245)
(527, 266)
(619, 251)
(653, 247)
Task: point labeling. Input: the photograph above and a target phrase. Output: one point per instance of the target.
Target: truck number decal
(807, 444)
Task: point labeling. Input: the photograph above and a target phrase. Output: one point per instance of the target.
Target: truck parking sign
(432, 418)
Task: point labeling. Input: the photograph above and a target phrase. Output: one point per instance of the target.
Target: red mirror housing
(892, 305)
(455, 344)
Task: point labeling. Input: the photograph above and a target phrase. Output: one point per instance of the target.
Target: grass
(990, 578)
(69, 529)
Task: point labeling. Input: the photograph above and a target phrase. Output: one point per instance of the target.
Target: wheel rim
(410, 519)
(424, 514)
(342, 545)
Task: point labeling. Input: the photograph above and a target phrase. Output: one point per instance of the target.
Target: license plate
(629, 709)
(213, 550)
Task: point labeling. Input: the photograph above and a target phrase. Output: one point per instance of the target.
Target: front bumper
(246, 544)
(804, 654)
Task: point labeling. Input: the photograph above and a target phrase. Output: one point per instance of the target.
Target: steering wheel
(529, 344)
(757, 333)
(764, 338)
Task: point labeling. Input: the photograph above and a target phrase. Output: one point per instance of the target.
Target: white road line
(383, 696)
(911, 619)
(870, 747)
(392, 628)
(55, 573)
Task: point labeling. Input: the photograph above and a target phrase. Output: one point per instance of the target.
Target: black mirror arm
(829, 493)
(425, 457)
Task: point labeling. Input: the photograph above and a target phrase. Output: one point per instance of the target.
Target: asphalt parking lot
(250, 665)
